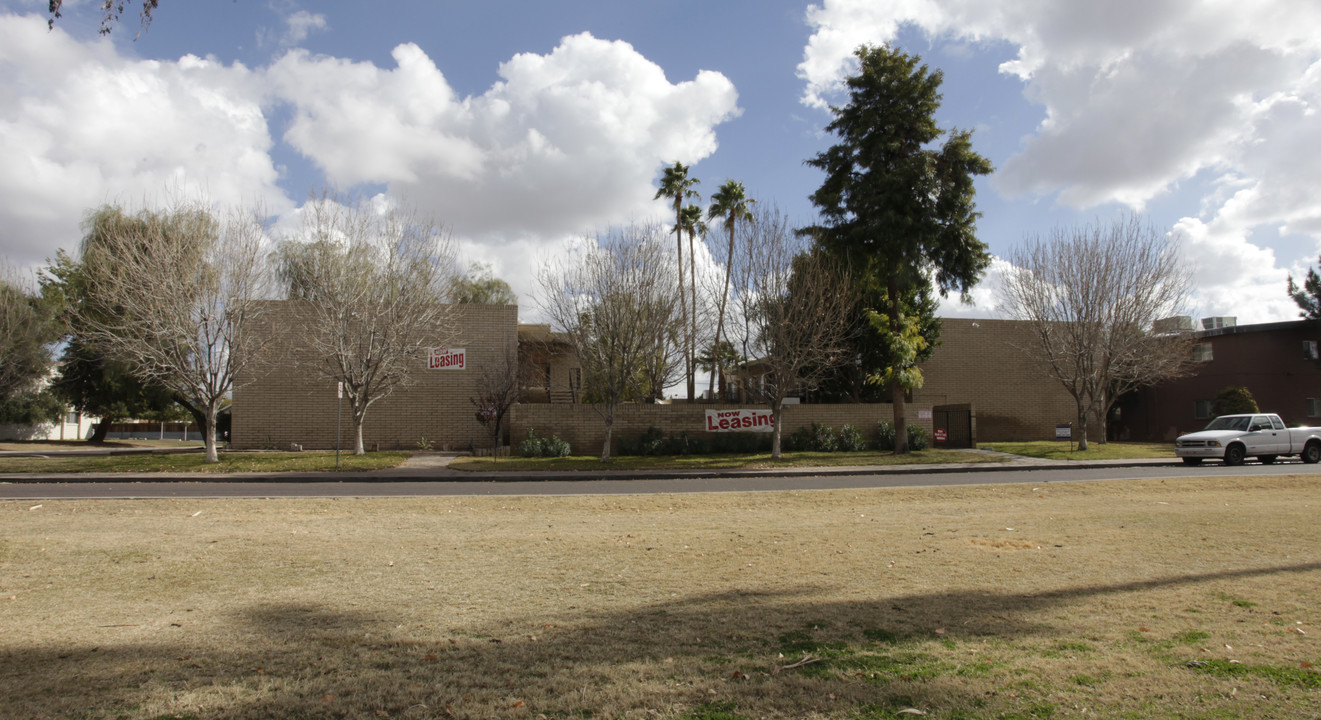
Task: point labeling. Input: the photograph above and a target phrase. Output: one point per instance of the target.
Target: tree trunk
(777, 409)
(209, 436)
(1082, 429)
(99, 432)
(605, 448)
(683, 300)
(897, 390)
(720, 321)
(358, 421)
(692, 338)
(900, 419)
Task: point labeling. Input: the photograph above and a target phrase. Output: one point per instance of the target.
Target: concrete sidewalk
(424, 467)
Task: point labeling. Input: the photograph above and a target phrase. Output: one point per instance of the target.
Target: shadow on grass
(720, 650)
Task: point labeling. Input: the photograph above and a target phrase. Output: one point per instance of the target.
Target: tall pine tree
(898, 207)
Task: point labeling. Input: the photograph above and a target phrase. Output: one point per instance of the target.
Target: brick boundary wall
(281, 402)
(583, 427)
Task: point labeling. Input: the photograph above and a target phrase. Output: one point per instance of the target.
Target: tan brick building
(983, 363)
(978, 369)
(283, 401)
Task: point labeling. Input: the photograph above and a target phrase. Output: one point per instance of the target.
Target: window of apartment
(576, 377)
(1310, 350)
(72, 417)
(1313, 407)
(1202, 352)
(1203, 409)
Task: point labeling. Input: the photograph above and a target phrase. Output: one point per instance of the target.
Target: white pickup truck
(1261, 435)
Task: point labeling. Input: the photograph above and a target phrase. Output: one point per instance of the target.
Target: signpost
(1065, 432)
(339, 412)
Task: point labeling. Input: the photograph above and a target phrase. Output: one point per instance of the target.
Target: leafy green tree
(1234, 400)
(88, 379)
(895, 205)
(1308, 297)
(28, 327)
(676, 185)
(730, 204)
(32, 408)
(725, 355)
(174, 295)
(479, 286)
(870, 345)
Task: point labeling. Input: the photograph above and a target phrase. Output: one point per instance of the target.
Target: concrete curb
(432, 474)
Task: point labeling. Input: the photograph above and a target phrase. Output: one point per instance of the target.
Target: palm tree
(690, 221)
(676, 184)
(730, 204)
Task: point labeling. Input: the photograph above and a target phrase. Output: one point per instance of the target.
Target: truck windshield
(1230, 423)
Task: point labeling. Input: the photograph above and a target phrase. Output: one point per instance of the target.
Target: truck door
(1264, 439)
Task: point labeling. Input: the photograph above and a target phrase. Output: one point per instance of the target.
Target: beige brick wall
(980, 362)
(583, 427)
(286, 402)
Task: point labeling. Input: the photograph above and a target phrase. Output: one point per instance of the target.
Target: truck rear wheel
(1312, 453)
(1234, 455)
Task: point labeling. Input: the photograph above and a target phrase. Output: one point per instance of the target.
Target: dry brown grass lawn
(1153, 599)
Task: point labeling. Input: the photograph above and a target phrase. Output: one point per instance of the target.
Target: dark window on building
(576, 377)
(1202, 409)
(1309, 350)
(1313, 407)
(1202, 353)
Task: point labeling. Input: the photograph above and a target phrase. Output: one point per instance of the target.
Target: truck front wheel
(1312, 453)
(1234, 455)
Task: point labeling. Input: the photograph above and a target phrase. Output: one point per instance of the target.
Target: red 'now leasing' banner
(740, 420)
(447, 359)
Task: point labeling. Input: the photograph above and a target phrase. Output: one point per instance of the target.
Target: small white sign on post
(1064, 432)
(923, 414)
(339, 390)
(447, 359)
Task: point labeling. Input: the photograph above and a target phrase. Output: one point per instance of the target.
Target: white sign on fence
(447, 359)
(736, 420)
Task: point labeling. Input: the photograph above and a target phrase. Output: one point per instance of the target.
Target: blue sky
(522, 125)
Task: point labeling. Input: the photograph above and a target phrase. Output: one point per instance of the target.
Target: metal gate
(952, 425)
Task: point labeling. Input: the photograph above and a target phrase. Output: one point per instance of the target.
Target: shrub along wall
(582, 426)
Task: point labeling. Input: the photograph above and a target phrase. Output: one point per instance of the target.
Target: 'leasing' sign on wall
(447, 359)
(739, 420)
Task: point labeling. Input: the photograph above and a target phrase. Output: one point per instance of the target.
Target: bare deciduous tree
(613, 301)
(187, 288)
(498, 388)
(373, 279)
(1092, 296)
(797, 311)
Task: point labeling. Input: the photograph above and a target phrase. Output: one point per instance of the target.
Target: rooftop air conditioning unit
(1217, 323)
(1176, 324)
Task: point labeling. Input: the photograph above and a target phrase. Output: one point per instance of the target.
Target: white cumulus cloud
(1140, 97)
(81, 125)
(564, 143)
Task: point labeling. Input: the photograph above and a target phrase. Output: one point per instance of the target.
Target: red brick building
(1276, 362)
